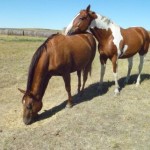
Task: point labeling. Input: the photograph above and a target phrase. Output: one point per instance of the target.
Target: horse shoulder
(107, 48)
(58, 52)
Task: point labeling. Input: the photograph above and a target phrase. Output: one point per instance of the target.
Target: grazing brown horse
(59, 55)
(114, 42)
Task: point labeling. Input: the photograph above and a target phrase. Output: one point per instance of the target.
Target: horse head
(31, 106)
(81, 22)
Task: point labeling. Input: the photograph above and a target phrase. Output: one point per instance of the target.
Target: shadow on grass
(132, 80)
(89, 93)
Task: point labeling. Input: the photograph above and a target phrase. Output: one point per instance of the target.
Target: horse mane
(106, 19)
(35, 59)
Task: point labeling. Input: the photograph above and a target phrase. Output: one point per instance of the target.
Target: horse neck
(40, 78)
(103, 27)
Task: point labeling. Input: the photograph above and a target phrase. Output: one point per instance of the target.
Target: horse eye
(82, 18)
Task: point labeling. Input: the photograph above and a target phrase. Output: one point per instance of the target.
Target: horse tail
(90, 69)
(87, 69)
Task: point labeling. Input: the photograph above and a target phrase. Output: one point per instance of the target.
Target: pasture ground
(96, 122)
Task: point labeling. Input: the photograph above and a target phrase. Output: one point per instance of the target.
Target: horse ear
(88, 8)
(22, 91)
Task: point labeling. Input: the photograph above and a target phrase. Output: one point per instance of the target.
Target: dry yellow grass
(95, 122)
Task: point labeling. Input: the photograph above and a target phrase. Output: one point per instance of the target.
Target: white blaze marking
(70, 25)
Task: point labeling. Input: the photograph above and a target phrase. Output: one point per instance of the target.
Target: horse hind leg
(130, 64)
(142, 54)
(102, 73)
(140, 69)
(67, 80)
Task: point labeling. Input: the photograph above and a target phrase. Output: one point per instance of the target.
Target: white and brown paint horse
(114, 42)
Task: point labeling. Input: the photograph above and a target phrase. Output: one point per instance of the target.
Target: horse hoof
(69, 105)
(116, 92)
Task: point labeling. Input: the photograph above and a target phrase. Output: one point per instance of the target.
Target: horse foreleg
(130, 64)
(67, 80)
(103, 68)
(115, 73)
(140, 70)
(79, 80)
(102, 73)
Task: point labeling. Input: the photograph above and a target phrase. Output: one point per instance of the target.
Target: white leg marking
(130, 64)
(103, 67)
(140, 70)
(116, 84)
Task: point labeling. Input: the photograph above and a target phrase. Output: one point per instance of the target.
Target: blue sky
(57, 14)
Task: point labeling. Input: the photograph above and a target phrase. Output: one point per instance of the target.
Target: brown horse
(59, 55)
(114, 42)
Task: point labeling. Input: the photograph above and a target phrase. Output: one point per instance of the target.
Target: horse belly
(129, 52)
(67, 63)
(134, 41)
(132, 49)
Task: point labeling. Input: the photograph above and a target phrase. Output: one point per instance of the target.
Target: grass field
(96, 122)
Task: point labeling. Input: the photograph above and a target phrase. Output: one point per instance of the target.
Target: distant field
(28, 32)
(102, 122)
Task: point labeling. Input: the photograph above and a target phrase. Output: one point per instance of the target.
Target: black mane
(35, 59)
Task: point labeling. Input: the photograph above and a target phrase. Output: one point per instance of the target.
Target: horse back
(71, 53)
(82, 41)
(136, 40)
